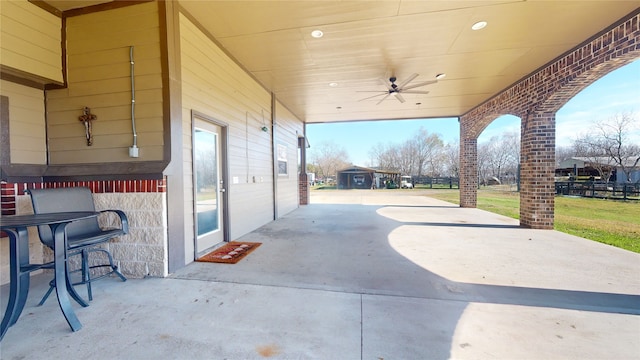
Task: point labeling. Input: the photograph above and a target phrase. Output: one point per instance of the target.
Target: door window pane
(206, 171)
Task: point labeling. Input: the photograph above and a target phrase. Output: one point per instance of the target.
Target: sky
(617, 92)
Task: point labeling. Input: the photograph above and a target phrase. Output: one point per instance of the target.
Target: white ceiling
(365, 41)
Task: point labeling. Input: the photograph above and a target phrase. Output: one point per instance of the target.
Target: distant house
(585, 167)
(358, 177)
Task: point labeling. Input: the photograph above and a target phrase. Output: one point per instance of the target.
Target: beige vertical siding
(287, 129)
(99, 77)
(26, 123)
(215, 85)
(30, 40)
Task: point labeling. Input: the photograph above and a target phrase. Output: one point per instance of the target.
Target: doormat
(230, 253)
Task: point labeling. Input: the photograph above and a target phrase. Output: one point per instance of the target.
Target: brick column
(537, 158)
(468, 172)
(8, 192)
(303, 188)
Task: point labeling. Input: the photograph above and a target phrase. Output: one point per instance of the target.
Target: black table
(20, 267)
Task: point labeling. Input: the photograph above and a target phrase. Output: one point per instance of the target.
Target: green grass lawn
(615, 223)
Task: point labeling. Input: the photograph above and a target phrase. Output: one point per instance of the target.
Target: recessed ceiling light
(333, 84)
(441, 76)
(479, 25)
(317, 34)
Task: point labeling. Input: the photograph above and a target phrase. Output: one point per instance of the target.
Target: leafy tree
(312, 168)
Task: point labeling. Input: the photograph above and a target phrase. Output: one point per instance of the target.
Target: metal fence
(601, 190)
(437, 182)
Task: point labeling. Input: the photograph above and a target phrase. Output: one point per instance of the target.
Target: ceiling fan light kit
(403, 88)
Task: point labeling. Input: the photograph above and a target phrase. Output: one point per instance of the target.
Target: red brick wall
(9, 191)
(535, 100)
(468, 179)
(303, 188)
(8, 198)
(537, 193)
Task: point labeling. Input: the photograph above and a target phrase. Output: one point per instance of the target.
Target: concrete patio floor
(385, 274)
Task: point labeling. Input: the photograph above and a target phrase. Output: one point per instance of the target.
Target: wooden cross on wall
(87, 117)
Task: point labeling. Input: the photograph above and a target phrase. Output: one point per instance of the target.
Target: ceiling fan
(397, 89)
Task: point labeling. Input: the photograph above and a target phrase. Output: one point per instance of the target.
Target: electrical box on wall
(133, 151)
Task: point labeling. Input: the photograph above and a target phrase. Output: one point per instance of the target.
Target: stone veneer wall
(142, 252)
(535, 100)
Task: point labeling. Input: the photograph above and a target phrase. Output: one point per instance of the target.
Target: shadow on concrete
(352, 249)
(470, 225)
(415, 280)
(554, 298)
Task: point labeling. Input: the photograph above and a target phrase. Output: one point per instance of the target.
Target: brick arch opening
(499, 151)
(478, 127)
(566, 92)
(535, 100)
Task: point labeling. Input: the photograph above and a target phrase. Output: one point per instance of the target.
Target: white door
(208, 185)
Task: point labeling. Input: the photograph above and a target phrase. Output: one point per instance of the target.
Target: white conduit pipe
(246, 138)
(133, 150)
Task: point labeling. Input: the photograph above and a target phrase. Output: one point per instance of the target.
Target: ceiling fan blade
(386, 84)
(386, 96)
(399, 97)
(378, 91)
(408, 80)
(414, 92)
(371, 97)
(419, 84)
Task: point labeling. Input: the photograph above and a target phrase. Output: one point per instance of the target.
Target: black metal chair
(83, 236)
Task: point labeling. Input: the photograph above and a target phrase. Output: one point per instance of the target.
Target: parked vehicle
(405, 182)
(389, 184)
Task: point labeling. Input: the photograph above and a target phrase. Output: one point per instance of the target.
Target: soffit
(365, 41)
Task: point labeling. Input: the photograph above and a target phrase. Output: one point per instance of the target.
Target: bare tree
(611, 140)
(563, 153)
(375, 154)
(587, 146)
(510, 145)
(386, 156)
(616, 143)
(484, 159)
(406, 159)
(420, 155)
(328, 158)
(428, 153)
(452, 159)
(499, 156)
